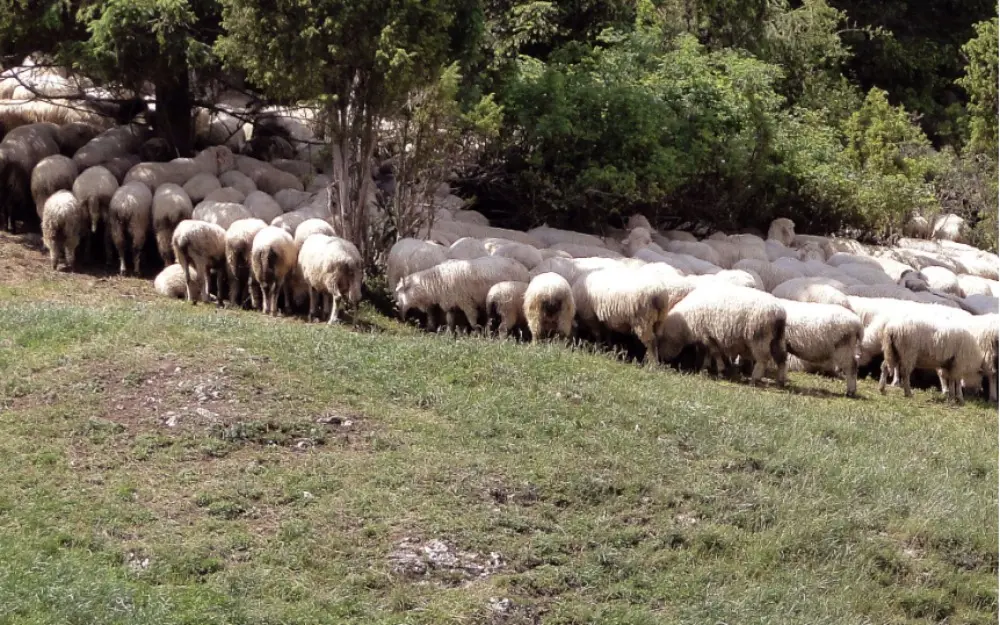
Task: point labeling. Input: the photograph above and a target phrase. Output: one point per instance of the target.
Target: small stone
(171, 420)
(307, 495)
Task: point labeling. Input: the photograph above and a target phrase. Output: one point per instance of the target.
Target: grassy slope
(612, 493)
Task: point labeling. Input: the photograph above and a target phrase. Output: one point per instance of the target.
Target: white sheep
(471, 217)
(866, 274)
(226, 194)
(171, 283)
(505, 305)
(776, 250)
(929, 342)
(950, 227)
(524, 254)
(410, 256)
(333, 270)
(64, 224)
(456, 285)
(699, 250)
(222, 214)
(239, 181)
(130, 213)
(94, 188)
(310, 227)
(577, 250)
(201, 246)
(982, 304)
(549, 307)
(271, 180)
(770, 274)
(171, 206)
(51, 174)
(734, 277)
(974, 285)
(815, 290)
(628, 301)
(638, 221)
(291, 199)
(824, 334)
(782, 231)
(262, 206)
(729, 322)
(111, 144)
(200, 186)
(467, 248)
(239, 243)
(941, 279)
(272, 257)
(673, 235)
(986, 330)
(550, 237)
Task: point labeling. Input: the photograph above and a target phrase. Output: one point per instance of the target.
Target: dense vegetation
(840, 115)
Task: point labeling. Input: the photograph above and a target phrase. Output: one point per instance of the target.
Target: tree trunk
(173, 110)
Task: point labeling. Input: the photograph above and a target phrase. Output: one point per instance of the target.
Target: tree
(127, 43)
(358, 58)
(980, 82)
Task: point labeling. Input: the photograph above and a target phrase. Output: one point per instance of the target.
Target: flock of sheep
(258, 232)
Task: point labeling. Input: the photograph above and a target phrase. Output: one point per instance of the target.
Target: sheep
(310, 227)
(201, 246)
(812, 251)
(815, 290)
(926, 341)
(410, 256)
(801, 240)
(974, 285)
(226, 194)
(950, 227)
(272, 257)
(940, 279)
(322, 181)
(333, 269)
(727, 251)
(638, 221)
(674, 235)
(824, 334)
(239, 181)
(782, 231)
(624, 300)
(456, 285)
(222, 214)
(289, 222)
(769, 274)
(776, 250)
(982, 304)
(120, 166)
(300, 169)
(917, 226)
(94, 189)
(699, 250)
(572, 268)
(524, 254)
(467, 248)
(239, 242)
(270, 180)
(637, 239)
(74, 135)
(505, 304)
(732, 321)
(156, 150)
(129, 214)
(20, 150)
(51, 174)
(585, 251)
(550, 237)
(111, 144)
(913, 280)
(547, 254)
(171, 283)
(262, 206)
(549, 307)
(866, 273)
(471, 217)
(985, 329)
(64, 223)
(171, 206)
(200, 186)
(290, 199)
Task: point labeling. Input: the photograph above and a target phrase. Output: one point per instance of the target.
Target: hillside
(164, 463)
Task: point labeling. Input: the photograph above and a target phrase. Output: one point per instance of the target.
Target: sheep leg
(202, 269)
(851, 372)
(904, 378)
(312, 305)
(957, 393)
(187, 280)
(69, 251)
(333, 309)
(118, 237)
(234, 288)
(992, 384)
(884, 377)
(137, 261)
(472, 315)
(220, 277)
(449, 318)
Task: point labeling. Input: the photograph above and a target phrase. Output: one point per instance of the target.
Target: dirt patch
(435, 560)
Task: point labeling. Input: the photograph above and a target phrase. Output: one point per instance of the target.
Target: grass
(163, 463)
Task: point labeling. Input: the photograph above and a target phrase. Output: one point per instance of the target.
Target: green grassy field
(163, 463)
